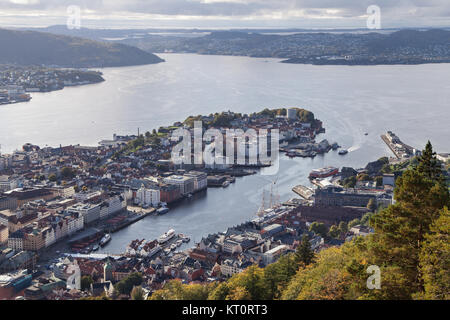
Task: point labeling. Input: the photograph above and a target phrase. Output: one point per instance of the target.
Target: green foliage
(52, 177)
(343, 228)
(363, 177)
(67, 173)
(371, 205)
(365, 219)
(334, 232)
(379, 181)
(353, 223)
(175, 290)
(86, 282)
(137, 293)
(349, 182)
(125, 285)
(304, 253)
(319, 228)
(434, 259)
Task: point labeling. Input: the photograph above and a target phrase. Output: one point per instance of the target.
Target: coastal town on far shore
(60, 205)
(17, 83)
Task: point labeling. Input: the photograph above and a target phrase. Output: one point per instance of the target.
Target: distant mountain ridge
(41, 48)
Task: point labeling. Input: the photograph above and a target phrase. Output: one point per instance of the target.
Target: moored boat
(323, 172)
(166, 236)
(106, 238)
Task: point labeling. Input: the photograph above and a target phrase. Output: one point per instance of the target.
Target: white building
(200, 179)
(112, 205)
(147, 197)
(8, 183)
(90, 212)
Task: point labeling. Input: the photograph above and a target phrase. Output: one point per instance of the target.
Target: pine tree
(435, 259)
(400, 229)
(304, 253)
(429, 165)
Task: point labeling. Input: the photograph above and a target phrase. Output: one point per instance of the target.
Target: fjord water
(412, 101)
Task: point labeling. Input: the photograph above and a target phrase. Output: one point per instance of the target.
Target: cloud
(265, 10)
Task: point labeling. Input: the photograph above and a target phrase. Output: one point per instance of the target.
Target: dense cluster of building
(16, 82)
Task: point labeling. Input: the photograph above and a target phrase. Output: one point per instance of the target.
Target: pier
(398, 148)
(303, 192)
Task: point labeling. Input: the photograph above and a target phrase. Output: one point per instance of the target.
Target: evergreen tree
(304, 253)
(400, 229)
(429, 165)
(435, 259)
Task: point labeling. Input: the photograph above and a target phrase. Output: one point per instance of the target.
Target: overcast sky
(227, 13)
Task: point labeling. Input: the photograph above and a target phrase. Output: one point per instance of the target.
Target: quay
(398, 148)
(303, 191)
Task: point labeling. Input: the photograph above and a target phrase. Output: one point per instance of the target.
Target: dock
(303, 192)
(398, 148)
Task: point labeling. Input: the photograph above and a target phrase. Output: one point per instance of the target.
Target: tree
(429, 165)
(319, 228)
(220, 292)
(401, 229)
(349, 182)
(435, 259)
(333, 232)
(137, 293)
(304, 254)
(353, 223)
(363, 177)
(86, 282)
(343, 228)
(371, 206)
(67, 173)
(125, 285)
(379, 181)
(52, 177)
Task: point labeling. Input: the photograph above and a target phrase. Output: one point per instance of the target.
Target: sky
(309, 14)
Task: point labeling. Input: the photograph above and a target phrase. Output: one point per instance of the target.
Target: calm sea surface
(412, 101)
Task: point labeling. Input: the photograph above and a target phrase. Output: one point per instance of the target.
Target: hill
(40, 48)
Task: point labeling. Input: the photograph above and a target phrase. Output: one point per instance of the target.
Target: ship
(106, 238)
(342, 152)
(323, 172)
(166, 236)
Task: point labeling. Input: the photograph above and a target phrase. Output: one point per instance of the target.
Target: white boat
(179, 243)
(173, 246)
(186, 239)
(106, 238)
(225, 184)
(166, 236)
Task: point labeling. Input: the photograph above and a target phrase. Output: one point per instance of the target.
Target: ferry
(166, 236)
(106, 238)
(323, 172)
(342, 152)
